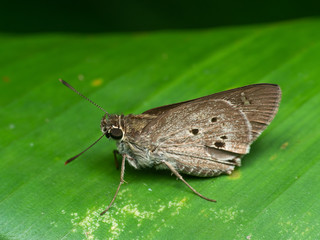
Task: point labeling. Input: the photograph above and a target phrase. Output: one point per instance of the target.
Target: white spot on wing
(244, 99)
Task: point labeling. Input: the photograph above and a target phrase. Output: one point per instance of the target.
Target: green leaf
(274, 195)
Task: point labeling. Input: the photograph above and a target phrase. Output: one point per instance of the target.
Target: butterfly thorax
(137, 149)
(126, 131)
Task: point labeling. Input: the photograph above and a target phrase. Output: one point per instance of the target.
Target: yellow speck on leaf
(273, 157)
(235, 175)
(6, 79)
(284, 146)
(96, 82)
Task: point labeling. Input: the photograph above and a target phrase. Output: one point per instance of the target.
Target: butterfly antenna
(78, 155)
(69, 86)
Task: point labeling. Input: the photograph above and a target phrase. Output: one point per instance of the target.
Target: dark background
(126, 15)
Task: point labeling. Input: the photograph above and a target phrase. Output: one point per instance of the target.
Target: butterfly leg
(175, 172)
(121, 182)
(115, 153)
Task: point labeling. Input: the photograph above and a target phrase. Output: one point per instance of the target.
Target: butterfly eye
(116, 133)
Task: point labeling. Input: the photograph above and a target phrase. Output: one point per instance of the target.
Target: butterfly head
(111, 126)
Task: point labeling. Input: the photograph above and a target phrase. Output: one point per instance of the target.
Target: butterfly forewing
(260, 103)
(211, 123)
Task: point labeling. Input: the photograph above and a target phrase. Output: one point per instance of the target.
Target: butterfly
(203, 137)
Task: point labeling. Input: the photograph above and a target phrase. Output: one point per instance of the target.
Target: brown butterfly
(203, 137)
